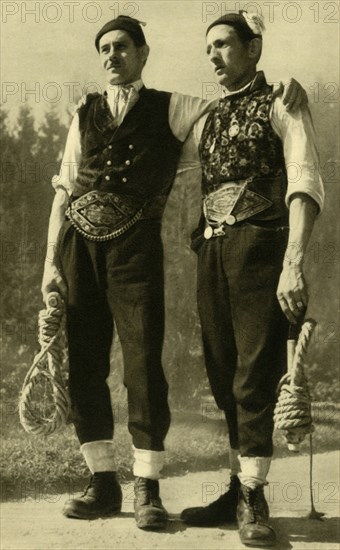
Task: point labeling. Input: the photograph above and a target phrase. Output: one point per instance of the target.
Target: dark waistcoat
(139, 158)
(238, 143)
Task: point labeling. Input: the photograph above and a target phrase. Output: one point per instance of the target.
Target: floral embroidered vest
(238, 143)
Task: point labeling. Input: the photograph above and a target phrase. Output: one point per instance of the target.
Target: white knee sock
(99, 455)
(148, 463)
(254, 470)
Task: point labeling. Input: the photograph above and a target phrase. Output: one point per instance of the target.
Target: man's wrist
(296, 266)
(294, 255)
(50, 262)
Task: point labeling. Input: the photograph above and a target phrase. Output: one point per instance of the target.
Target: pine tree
(26, 202)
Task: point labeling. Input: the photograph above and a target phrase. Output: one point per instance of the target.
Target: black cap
(238, 21)
(124, 23)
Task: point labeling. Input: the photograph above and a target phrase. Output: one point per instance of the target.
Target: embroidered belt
(101, 216)
(231, 203)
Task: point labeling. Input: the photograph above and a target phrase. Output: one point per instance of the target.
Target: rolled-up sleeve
(297, 133)
(66, 179)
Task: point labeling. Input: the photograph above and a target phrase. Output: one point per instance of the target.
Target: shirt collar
(250, 85)
(112, 89)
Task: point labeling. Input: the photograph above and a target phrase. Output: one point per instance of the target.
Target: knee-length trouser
(120, 280)
(244, 330)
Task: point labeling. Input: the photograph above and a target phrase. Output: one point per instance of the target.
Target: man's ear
(255, 49)
(144, 52)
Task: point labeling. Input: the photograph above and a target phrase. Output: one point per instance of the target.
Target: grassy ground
(196, 442)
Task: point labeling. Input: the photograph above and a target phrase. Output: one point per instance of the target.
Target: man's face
(121, 60)
(230, 57)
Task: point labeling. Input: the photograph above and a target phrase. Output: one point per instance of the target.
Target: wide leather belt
(101, 216)
(231, 203)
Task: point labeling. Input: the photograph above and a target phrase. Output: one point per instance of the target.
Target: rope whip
(47, 374)
(293, 411)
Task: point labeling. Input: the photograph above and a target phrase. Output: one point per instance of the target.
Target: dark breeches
(116, 282)
(244, 330)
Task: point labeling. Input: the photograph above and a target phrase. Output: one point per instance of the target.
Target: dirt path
(37, 524)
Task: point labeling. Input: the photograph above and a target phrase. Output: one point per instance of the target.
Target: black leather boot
(222, 510)
(253, 516)
(149, 510)
(102, 497)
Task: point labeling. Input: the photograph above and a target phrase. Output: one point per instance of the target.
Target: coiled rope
(293, 411)
(44, 386)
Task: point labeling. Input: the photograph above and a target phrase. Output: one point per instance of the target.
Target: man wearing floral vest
(251, 243)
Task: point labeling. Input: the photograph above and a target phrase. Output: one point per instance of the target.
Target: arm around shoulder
(184, 111)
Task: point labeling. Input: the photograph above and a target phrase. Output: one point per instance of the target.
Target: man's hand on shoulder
(294, 96)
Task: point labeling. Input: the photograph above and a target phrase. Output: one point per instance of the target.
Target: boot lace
(253, 499)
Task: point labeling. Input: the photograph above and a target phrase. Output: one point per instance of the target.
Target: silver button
(234, 130)
(109, 163)
(128, 162)
(131, 146)
(208, 232)
(230, 220)
(107, 178)
(124, 180)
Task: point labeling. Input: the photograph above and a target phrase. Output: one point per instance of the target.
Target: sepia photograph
(170, 367)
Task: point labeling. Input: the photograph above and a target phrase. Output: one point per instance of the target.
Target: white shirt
(118, 107)
(187, 117)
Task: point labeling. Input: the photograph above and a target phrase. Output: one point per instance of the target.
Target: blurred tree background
(31, 155)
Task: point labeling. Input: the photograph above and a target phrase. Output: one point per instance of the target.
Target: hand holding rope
(48, 368)
(293, 411)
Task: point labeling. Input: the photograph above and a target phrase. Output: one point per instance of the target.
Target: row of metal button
(124, 180)
(127, 163)
(131, 146)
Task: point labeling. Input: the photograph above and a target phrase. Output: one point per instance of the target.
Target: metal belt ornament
(101, 216)
(44, 403)
(231, 203)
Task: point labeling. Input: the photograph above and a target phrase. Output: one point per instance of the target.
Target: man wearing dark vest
(118, 167)
(251, 243)
(117, 171)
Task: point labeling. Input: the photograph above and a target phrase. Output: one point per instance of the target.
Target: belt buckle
(101, 216)
(241, 204)
(219, 205)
